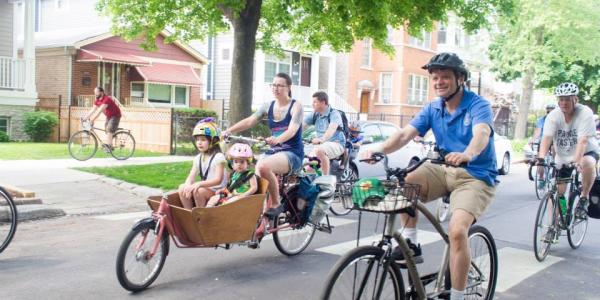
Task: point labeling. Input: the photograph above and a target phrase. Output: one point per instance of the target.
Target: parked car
(375, 132)
(504, 152)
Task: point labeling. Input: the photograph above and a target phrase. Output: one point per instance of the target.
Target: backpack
(344, 128)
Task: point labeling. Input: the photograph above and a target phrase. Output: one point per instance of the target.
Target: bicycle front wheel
(82, 145)
(483, 273)
(579, 222)
(362, 274)
(137, 267)
(541, 183)
(544, 232)
(8, 219)
(124, 145)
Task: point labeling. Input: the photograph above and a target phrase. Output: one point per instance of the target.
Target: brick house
(70, 63)
(379, 84)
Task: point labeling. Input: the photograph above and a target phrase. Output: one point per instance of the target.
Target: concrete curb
(33, 212)
(139, 190)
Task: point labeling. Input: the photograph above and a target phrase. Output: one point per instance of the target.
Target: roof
(86, 55)
(79, 37)
(167, 73)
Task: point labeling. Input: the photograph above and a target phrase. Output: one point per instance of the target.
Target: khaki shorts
(467, 192)
(332, 149)
(112, 124)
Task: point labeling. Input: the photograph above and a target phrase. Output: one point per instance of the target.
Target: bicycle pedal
(253, 245)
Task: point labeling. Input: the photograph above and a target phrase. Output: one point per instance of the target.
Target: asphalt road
(74, 257)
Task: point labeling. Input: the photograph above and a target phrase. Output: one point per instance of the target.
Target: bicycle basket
(384, 196)
(344, 192)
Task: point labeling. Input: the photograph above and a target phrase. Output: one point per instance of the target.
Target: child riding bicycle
(209, 164)
(242, 181)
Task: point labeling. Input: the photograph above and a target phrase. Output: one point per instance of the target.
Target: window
(442, 33)
(418, 89)
(385, 86)
(4, 124)
(458, 36)
(225, 54)
(422, 42)
(137, 90)
(61, 5)
(275, 64)
(371, 132)
(387, 130)
(159, 93)
(366, 54)
(180, 95)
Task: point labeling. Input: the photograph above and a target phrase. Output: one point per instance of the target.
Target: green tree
(309, 23)
(545, 42)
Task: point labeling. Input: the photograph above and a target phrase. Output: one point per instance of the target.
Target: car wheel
(505, 164)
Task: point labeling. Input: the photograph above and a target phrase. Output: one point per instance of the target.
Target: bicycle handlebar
(401, 173)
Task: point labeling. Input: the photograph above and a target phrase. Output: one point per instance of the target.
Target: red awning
(111, 57)
(170, 74)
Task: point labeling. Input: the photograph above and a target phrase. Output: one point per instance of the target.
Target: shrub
(39, 125)
(184, 121)
(4, 137)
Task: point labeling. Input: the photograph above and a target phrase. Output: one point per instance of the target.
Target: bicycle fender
(143, 222)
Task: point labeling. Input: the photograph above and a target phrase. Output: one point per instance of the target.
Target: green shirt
(243, 188)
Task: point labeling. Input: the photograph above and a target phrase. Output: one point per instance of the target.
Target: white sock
(457, 295)
(410, 233)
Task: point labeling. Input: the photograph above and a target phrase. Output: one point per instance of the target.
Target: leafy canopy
(309, 23)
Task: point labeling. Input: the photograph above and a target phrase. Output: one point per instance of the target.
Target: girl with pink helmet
(242, 181)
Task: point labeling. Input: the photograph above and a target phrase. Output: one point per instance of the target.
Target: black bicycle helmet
(447, 60)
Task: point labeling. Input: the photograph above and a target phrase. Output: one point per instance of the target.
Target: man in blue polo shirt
(461, 122)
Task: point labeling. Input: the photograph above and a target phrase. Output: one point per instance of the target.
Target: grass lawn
(12, 151)
(166, 176)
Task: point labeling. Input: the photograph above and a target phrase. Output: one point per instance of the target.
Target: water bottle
(563, 205)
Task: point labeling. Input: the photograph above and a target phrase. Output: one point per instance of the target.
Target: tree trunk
(521, 128)
(245, 26)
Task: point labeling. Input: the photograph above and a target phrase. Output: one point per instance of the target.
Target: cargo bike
(144, 250)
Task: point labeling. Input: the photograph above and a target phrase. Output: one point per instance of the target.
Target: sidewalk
(65, 191)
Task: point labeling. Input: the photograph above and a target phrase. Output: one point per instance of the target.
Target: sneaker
(107, 148)
(273, 212)
(417, 254)
(581, 210)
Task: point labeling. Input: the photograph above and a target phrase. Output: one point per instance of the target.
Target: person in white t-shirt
(572, 130)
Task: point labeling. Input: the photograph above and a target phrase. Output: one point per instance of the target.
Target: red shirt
(112, 110)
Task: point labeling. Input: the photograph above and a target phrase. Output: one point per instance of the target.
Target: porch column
(314, 73)
(259, 80)
(331, 77)
(29, 48)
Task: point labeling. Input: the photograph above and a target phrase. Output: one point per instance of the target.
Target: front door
(305, 71)
(364, 102)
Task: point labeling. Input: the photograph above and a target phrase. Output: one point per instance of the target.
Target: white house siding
(341, 75)
(75, 14)
(223, 67)
(6, 28)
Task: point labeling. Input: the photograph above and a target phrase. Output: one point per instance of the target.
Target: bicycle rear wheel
(292, 237)
(545, 230)
(82, 145)
(8, 219)
(136, 267)
(579, 222)
(124, 145)
(359, 274)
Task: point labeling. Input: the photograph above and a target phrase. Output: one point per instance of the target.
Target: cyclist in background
(537, 136)
(104, 103)
(573, 132)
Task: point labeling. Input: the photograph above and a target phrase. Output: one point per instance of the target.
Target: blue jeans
(294, 161)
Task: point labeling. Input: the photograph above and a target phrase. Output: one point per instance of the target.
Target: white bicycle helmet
(566, 89)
